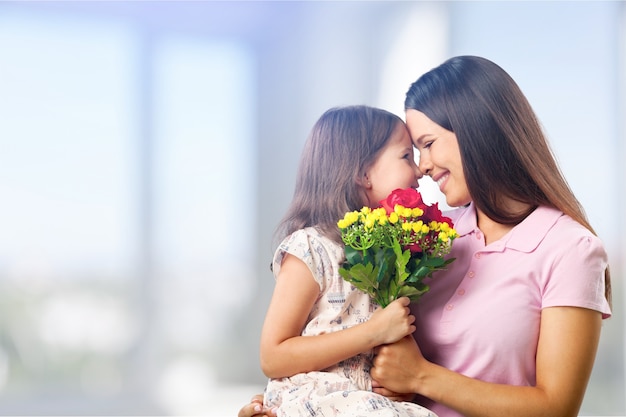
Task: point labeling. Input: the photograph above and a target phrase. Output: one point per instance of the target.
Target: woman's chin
(457, 202)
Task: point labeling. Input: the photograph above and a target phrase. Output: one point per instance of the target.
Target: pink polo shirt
(481, 316)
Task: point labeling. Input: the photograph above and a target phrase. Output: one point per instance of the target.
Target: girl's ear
(364, 181)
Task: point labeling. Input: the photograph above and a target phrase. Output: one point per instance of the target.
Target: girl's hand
(393, 322)
(255, 409)
(392, 395)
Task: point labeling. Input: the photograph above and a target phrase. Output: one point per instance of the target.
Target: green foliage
(389, 273)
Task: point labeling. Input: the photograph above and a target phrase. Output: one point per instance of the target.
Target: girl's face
(440, 157)
(394, 168)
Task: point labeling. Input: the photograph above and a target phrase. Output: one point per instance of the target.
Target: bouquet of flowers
(392, 248)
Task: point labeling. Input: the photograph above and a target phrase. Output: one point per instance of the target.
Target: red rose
(433, 213)
(408, 197)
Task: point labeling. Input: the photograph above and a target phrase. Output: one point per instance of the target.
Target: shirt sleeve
(577, 276)
(309, 248)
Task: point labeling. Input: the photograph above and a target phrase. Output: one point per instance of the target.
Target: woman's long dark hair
(341, 147)
(504, 151)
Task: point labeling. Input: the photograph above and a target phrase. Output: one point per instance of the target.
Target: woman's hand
(396, 366)
(255, 409)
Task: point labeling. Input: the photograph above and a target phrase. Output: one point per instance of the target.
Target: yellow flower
(348, 220)
(380, 212)
(352, 217)
(402, 211)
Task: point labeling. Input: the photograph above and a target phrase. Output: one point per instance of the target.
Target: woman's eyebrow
(421, 138)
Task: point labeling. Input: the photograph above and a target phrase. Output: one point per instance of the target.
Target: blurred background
(148, 150)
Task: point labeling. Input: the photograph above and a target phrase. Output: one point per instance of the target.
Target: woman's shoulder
(564, 226)
(561, 235)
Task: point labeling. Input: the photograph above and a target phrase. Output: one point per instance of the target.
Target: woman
(512, 327)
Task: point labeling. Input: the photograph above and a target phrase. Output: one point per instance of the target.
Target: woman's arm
(566, 351)
(284, 352)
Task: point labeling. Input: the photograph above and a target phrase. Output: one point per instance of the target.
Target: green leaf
(353, 256)
(361, 276)
(384, 259)
(402, 260)
(413, 293)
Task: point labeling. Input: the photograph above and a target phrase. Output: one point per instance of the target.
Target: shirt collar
(524, 237)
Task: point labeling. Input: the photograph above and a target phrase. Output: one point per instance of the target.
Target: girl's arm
(567, 347)
(284, 352)
(255, 408)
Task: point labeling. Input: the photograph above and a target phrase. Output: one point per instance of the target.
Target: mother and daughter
(511, 328)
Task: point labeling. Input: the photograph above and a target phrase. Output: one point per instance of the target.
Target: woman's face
(394, 168)
(440, 157)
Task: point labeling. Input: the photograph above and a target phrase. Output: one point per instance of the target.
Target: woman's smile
(441, 180)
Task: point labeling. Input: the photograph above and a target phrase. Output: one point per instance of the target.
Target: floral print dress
(345, 388)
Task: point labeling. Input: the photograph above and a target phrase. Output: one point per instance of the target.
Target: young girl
(319, 331)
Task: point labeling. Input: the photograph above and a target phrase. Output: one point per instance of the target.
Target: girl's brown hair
(504, 151)
(341, 147)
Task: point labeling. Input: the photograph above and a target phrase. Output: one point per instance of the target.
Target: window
(127, 215)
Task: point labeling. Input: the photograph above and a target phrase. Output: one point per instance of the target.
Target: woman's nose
(425, 166)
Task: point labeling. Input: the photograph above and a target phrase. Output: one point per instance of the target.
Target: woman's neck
(493, 230)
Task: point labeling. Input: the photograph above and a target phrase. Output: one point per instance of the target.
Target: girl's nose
(418, 173)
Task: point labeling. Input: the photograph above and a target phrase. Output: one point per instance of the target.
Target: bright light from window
(66, 134)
